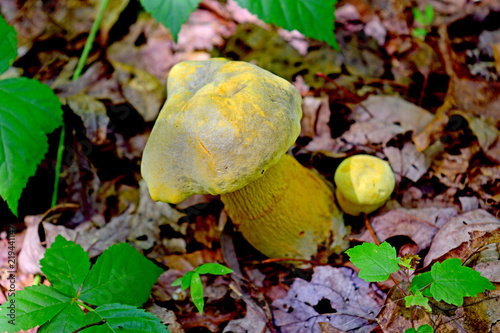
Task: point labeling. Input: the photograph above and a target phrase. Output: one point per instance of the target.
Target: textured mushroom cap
(364, 183)
(223, 125)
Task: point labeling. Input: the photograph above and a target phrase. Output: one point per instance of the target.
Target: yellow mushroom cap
(223, 125)
(364, 183)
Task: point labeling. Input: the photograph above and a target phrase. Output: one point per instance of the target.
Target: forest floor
(428, 104)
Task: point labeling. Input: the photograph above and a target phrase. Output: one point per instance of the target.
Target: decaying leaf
(335, 296)
(457, 230)
(419, 224)
(93, 114)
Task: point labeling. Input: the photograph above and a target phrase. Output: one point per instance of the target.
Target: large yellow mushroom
(225, 129)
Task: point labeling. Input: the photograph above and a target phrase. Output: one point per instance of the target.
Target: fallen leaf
(93, 114)
(143, 90)
(418, 224)
(407, 162)
(254, 321)
(146, 221)
(335, 296)
(482, 312)
(32, 250)
(457, 230)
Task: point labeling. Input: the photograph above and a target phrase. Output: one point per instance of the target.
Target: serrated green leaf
(186, 280)
(197, 292)
(66, 265)
(453, 282)
(313, 18)
(8, 45)
(28, 111)
(120, 275)
(213, 268)
(375, 263)
(171, 13)
(419, 300)
(124, 318)
(67, 321)
(33, 306)
(420, 282)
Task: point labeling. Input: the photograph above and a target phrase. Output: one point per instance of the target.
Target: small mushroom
(364, 183)
(225, 129)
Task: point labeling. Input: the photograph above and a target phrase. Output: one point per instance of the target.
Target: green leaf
(213, 268)
(197, 292)
(375, 263)
(425, 329)
(8, 45)
(66, 265)
(313, 18)
(452, 282)
(419, 32)
(186, 280)
(417, 15)
(419, 300)
(420, 282)
(120, 275)
(421, 329)
(28, 111)
(31, 307)
(66, 321)
(178, 282)
(428, 14)
(123, 318)
(171, 13)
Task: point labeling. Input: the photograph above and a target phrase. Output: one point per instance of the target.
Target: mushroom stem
(287, 212)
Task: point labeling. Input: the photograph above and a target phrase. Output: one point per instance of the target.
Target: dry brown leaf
(167, 317)
(32, 250)
(254, 321)
(145, 223)
(451, 169)
(335, 296)
(457, 230)
(418, 224)
(482, 312)
(206, 230)
(407, 162)
(93, 114)
(143, 90)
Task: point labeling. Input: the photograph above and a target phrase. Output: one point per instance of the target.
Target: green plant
(424, 18)
(313, 18)
(119, 282)
(448, 281)
(29, 110)
(192, 279)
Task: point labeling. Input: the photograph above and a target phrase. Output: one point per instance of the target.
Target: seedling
(425, 19)
(110, 291)
(448, 281)
(192, 279)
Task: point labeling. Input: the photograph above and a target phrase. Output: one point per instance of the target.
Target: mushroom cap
(223, 125)
(364, 183)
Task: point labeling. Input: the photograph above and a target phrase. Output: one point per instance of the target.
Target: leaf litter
(422, 105)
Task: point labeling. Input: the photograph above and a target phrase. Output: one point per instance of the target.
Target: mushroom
(364, 183)
(225, 129)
